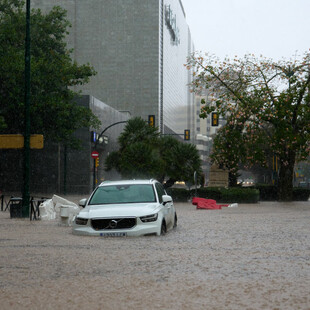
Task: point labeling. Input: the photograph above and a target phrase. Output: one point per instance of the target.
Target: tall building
(62, 170)
(205, 131)
(138, 48)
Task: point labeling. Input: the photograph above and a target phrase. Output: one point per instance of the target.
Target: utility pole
(26, 174)
(95, 148)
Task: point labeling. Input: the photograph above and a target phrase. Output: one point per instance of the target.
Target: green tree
(144, 154)
(138, 156)
(53, 110)
(269, 101)
(231, 147)
(181, 160)
(137, 130)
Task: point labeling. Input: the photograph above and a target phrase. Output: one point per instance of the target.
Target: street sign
(94, 154)
(93, 136)
(13, 141)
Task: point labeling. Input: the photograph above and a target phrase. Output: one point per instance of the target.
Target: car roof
(122, 182)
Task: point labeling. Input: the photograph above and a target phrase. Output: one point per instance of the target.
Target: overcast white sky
(273, 28)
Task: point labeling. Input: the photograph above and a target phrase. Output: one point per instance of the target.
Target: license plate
(115, 234)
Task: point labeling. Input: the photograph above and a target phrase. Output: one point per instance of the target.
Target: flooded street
(256, 256)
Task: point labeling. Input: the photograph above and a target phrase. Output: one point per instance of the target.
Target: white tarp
(233, 205)
(58, 208)
(47, 210)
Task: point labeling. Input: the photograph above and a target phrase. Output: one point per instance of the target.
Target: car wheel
(163, 229)
(175, 221)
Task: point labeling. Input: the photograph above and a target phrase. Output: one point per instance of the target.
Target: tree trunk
(232, 179)
(286, 174)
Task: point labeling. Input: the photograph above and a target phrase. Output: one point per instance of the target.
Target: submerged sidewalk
(255, 256)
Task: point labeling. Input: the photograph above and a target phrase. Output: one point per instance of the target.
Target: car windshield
(126, 193)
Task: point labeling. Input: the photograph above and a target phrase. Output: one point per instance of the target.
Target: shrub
(267, 192)
(236, 194)
(179, 194)
(241, 195)
(233, 194)
(209, 193)
(301, 194)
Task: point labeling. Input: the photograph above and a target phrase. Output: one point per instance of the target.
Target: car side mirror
(166, 199)
(82, 202)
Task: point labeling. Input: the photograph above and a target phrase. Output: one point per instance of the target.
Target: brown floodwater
(256, 256)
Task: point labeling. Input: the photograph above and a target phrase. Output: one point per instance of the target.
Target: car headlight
(80, 221)
(149, 218)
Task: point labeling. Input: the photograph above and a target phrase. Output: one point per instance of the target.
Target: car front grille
(113, 223)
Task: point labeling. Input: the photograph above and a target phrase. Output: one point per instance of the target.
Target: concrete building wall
(139, 65)
(176, 49)
(205, 131)
(120, 39)
(55, 169)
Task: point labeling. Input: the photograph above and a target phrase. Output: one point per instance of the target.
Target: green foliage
(181, 159)
(270, 193)
(144, 154)
(240, 195)
(53, 110)
(3, 125)
(267, 108)
(140, 160)
(230, 195)
(267, 192)
(301, 194)
(210, 193)
(137, 130)
(221, 195)
(138, 156)
(179, 194)
(113, 161)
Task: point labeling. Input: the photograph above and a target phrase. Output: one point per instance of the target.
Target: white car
(126, 208)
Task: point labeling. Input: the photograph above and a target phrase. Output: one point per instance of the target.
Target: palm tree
(144, 153)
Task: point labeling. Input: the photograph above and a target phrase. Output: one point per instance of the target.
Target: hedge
(179, 194)
(269, 193)
(236, 194)
(230, 195)
(301, 194)
(210, 193)
(224, 195)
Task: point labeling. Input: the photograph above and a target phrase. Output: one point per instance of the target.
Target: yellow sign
(36, 142)
(17, 141)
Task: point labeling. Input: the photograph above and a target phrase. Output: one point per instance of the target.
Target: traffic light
(215, 118)
(187, 134)
(97, 162)
(152, 120)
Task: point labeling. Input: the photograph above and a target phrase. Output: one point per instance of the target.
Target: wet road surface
(256, 256)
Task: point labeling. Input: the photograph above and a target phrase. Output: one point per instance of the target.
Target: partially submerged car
(126, 208)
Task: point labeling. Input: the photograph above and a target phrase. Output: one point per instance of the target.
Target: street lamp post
(95, 147)
(26, 196)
